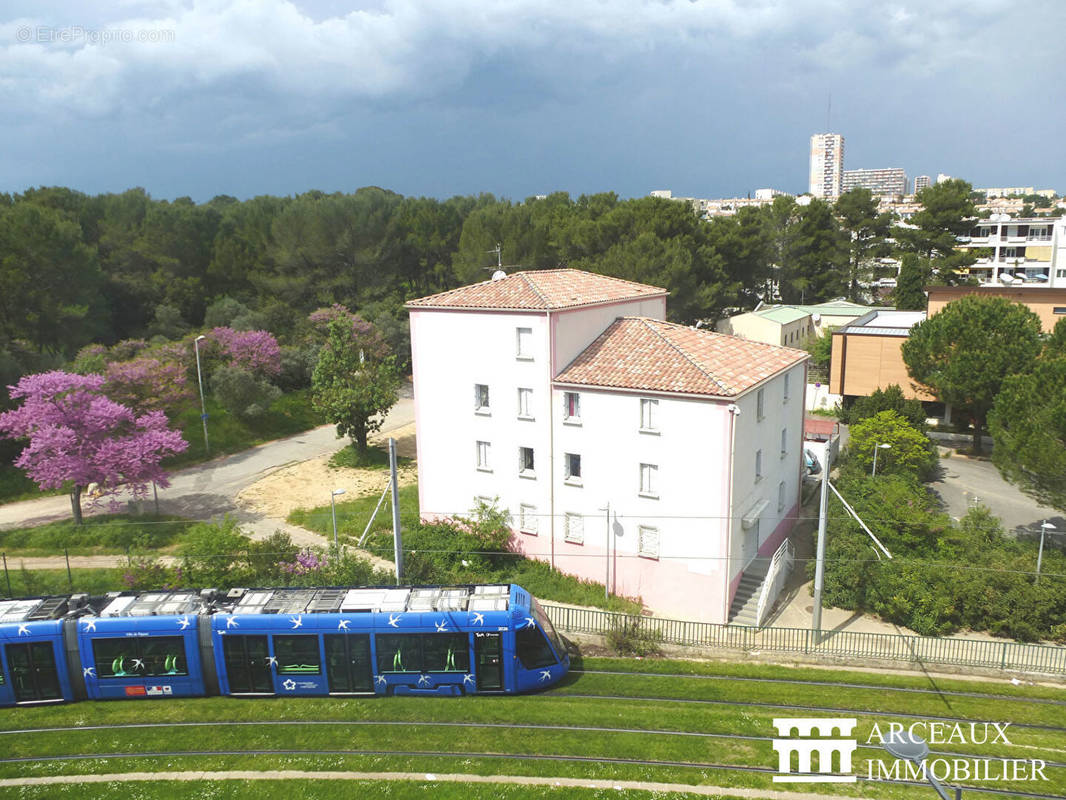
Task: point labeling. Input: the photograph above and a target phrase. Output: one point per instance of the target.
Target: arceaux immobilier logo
(827, 737)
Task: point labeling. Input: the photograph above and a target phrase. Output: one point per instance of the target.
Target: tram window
(446, 652)
(532, 648)
(399, 652)
(297, 655)
(156, 656)
(163, 655)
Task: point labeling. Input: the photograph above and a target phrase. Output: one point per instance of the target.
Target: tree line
(77, 269)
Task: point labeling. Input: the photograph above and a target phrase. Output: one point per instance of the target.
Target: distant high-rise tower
(827, 164)
(922, 182)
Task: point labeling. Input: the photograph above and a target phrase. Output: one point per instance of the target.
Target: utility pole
(397, 537)
(819, 564)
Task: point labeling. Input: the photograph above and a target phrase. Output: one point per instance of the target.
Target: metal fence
(1005, 655)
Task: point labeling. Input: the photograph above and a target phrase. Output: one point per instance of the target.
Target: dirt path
(422, 777)
(309, 483)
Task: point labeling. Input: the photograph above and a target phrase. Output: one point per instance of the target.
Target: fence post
(7, 576)
(70, 578)
(1003, 661)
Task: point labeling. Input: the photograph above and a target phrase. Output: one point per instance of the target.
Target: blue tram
(274, 642)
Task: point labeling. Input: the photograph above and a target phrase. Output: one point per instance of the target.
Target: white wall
(752, 435)
(452, 351)
(690, 450)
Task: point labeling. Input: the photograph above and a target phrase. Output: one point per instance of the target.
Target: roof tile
(649, 354)
(539, 290)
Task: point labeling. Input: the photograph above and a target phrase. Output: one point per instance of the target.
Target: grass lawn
(505, 735)
(40, 582)
(98, 535)
(291, 414)
(373, 458)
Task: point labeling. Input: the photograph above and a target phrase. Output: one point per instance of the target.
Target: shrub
(242, 393)
(630, 636)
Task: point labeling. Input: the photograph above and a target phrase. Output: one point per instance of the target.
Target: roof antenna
(499, 274)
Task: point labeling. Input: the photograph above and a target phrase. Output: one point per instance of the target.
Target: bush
(297, 364)
(632, 637)
(242, 393)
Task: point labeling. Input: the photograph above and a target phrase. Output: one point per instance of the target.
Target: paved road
(967, 481)
(207, 491)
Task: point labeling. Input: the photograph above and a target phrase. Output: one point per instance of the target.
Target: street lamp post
(905, 745)
(1045, 526)
(883, 446)
(333, 510)
(200, 380)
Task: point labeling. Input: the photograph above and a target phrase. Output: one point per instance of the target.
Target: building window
(1061, 309)
(649, 480)
(648, 541)
(758, 465)
(483, 456)
(527, 519)
(781, 496)
(481, 398)
(524, 343)
(525, 404)
(574, 528)
(649, 415)
(525, 462)
(786, 386)
(572, 468)
(759, 409)
(572, 408)
(784, 442)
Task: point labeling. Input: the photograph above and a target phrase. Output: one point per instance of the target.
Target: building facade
(826, 165)
(867, 355)
(559, 394)
(1018, 250)
(922, 182)
(890, 182)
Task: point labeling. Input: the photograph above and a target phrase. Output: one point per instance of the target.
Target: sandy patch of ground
(309, 483)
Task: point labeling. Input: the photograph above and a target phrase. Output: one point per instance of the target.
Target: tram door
(247, 664)
(348, 667)
(33, 671)
(489, 656)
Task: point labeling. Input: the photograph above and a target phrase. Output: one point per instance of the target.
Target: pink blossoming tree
(147, 384)
(254, 351)
(78, 436)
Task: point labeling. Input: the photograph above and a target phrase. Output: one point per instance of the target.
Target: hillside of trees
(77, 269)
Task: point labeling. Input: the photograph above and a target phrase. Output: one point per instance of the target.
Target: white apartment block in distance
(887, 182)
(1018, 250)
(922, 182)
(560, 393)
(827, 165)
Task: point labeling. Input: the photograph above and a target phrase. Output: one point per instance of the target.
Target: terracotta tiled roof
(539, 290)
(641, 353)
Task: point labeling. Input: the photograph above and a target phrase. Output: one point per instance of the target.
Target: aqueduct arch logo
(812, 737)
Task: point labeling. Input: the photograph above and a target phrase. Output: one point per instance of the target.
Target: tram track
(825, 684)
(441, 724)
(793, 707)
(259, 752)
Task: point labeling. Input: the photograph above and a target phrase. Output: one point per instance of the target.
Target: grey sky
(520, 97)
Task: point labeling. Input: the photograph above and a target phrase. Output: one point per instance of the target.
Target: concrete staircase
(746, 600)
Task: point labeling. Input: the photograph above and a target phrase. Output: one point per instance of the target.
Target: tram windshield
(549, 629)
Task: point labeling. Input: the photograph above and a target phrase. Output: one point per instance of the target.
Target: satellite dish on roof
(499, 275)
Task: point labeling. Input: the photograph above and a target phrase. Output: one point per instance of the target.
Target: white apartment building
(1018, 250)
(922, 182)
(560, 394)
(827, 165)
(887, 182)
